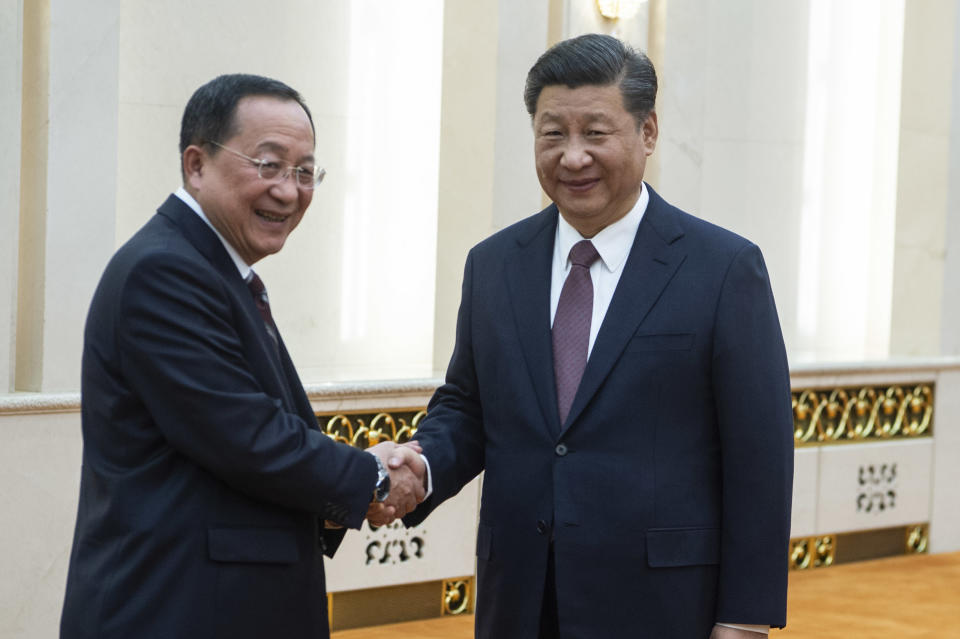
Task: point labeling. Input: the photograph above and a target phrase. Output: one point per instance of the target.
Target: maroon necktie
(571, 326)
(259, 292)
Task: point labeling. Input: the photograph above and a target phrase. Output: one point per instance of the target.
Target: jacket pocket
(253, 545)
(484, 541)
(662, 342)
(671, 547)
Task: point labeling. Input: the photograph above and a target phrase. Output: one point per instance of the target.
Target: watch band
(382, 490)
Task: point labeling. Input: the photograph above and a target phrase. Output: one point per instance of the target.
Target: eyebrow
(589, 117)
(281, 149)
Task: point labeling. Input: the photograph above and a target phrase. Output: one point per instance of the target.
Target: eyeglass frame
(282, 174)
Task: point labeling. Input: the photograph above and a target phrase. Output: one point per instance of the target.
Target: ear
(194, 164)
(650, 130)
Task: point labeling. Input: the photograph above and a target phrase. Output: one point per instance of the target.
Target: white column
(487, 176)
(11, 51)
(921, 281)
(731, 113)
(522, 39)
(950, 322)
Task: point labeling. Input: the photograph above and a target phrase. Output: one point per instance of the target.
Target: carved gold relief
(812, 552)
(917, 539)
(800, 555)
(823, 548)
(457, 596)
(368, 429)
(858, 414)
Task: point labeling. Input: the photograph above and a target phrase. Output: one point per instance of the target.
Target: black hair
(595, 59)
(210, 114)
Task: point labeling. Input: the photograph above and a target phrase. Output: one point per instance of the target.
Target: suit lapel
(208, 244)
(653, 260)
(528, 273)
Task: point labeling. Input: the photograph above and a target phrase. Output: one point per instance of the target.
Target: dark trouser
(549, 623)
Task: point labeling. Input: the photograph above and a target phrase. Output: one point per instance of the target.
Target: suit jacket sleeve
(181, 349)
(452, 434)
(751, 383)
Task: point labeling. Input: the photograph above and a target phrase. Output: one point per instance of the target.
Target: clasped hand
(408, 475)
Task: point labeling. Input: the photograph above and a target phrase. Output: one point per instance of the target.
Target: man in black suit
(620, 376)
(208, 495)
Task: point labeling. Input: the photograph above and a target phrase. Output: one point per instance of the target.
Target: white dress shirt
(613, 244)
(243, 267)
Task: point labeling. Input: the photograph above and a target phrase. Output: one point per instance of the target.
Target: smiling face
(254, 215)
(590, 154)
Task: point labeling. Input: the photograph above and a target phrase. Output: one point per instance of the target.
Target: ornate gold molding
(363, 430)
(812, 552)
(917, 538)
(832, 549)
(822, 416)
(457, 596)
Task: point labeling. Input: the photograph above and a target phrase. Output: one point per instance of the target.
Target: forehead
(261, 118)
(591, 101)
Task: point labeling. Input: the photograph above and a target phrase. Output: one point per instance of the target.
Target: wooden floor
(910, 597)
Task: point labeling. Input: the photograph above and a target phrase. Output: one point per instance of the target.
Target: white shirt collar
(613, 243)
(242, 266)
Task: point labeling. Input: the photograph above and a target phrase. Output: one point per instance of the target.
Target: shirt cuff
(764, 630)
(429, 477)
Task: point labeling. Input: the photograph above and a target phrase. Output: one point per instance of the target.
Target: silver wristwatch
(382, 490)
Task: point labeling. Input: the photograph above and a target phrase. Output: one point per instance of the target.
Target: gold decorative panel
(829, 550)
(822, 416)
(368, 429)
(917, 537)
(457, 596)
(812, 552)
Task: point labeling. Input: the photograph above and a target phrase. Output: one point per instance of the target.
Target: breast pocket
(661, 342)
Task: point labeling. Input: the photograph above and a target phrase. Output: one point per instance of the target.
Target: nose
(575, 156)
(286, 189)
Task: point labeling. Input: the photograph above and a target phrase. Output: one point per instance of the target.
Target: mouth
(270, 217)
(580, 185)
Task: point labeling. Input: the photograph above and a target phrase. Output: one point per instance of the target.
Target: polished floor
(913, 597)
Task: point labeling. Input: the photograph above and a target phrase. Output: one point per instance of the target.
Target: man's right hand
(407, 479)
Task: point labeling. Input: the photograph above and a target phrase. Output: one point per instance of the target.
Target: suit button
(541, 526)
(561, 450)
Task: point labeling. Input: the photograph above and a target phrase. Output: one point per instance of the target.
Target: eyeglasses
(306, 178)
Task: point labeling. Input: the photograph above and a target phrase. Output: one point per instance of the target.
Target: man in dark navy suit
(620, 376)
(208, 495)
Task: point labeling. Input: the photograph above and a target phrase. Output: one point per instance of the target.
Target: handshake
(408, 481)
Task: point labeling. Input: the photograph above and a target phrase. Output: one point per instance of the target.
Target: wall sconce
(616, 9)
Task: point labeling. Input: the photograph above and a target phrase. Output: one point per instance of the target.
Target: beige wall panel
(353, 290)
(11, 45)
(944, 514)
(443, 547)
(732, 88)
(40, 476)
(806, 475)
(468, 125)
(522, 39)
(874, 485)
(950, 323)
(81, 176)
(923, 181)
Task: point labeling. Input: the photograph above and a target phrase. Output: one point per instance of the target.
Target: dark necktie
(259, 292)
(571, 326)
